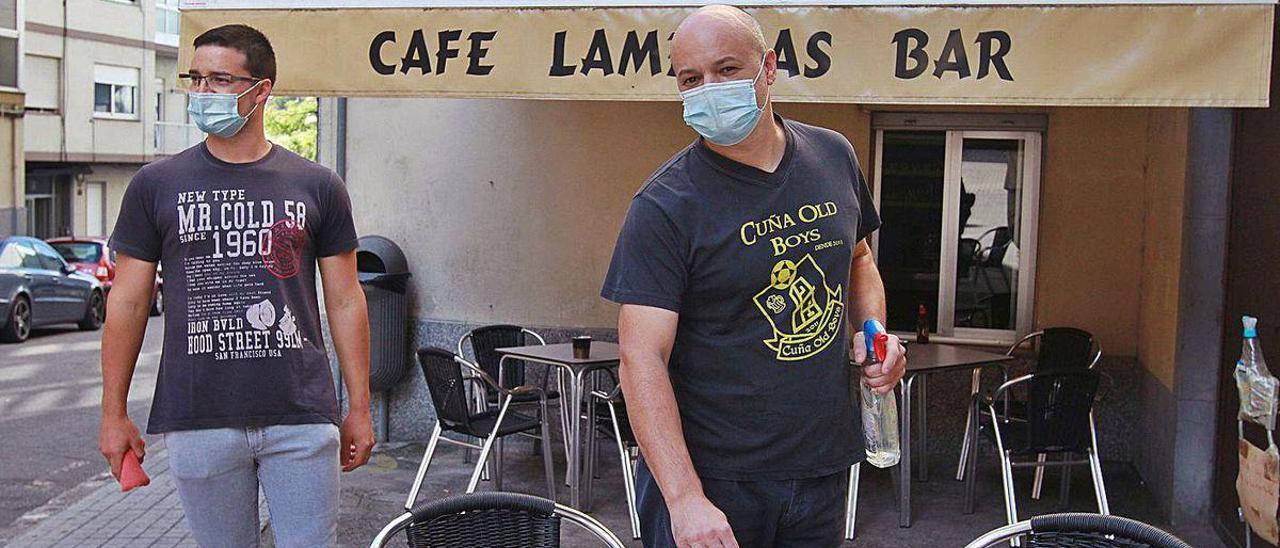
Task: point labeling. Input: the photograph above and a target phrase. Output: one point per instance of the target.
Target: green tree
(291, 123)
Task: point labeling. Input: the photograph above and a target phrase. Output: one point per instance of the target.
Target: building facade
(1087, 190)
(102, 100)
(11, 114)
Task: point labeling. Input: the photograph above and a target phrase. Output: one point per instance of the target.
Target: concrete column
(1200, 319)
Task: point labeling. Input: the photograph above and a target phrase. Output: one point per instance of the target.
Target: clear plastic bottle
(1257, 387)
(879, 412)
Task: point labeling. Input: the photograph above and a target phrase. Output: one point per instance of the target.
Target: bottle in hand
(879, 412)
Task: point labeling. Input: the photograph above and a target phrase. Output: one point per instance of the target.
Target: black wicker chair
(485, 342)
(497, 520)
(1058, 421)
(1055, 348)
(447, 385)
(1081, 531)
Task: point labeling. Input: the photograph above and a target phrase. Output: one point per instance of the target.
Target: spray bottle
(879, 412)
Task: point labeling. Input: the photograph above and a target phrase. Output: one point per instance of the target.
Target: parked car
(93, 256)
(39, 288)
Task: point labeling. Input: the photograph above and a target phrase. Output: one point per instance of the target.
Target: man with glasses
(738, 268)
(244, 395)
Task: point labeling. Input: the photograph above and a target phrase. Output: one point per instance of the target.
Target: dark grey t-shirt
(238, 245)
(757, 265)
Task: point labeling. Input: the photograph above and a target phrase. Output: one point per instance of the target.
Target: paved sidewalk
(150, 516)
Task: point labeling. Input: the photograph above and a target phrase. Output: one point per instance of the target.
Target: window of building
(167, 18)
(42, 80)
(10, 48)
(115, 92)
(960, 202)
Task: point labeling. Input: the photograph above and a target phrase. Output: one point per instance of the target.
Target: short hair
(260, 58)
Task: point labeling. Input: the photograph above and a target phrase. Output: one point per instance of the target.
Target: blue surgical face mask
(218, 113)
(723, 112)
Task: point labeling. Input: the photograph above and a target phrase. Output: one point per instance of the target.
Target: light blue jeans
(218, 471)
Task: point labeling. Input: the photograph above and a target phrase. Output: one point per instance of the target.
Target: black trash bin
(384, 275)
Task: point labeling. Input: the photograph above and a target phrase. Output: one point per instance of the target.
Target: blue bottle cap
(1250, 327)
(870, 329)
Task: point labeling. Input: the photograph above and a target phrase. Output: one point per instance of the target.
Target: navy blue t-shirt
(757, 266)
(238, 244)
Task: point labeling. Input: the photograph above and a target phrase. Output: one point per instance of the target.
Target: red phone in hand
(131, 474)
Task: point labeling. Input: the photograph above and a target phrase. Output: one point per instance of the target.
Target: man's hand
(356, 435)
(695, 522)
(883, 376)
(117, 435)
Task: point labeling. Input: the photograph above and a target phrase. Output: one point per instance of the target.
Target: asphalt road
(50, 393)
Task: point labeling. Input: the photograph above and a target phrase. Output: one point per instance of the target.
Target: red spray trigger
(882, 346)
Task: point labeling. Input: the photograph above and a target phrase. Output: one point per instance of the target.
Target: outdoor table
(604, 355)
(924, 360)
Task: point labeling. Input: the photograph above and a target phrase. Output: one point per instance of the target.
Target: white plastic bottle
(1256, 385)
(879, 412)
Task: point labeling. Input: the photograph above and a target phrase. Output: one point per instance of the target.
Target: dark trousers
(786, 513)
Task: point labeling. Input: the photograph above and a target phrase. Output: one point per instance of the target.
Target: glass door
(959, 228)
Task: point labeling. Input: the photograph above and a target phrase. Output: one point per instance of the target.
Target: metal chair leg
(851, 503)
(628, 479)
(1099, 489)
(974, 386)
(971, 464)
(1039, 481)
(1006, 472)
(1095, 466)
(488, 444)
(1010, 496)
(547, 464)
(422, 467)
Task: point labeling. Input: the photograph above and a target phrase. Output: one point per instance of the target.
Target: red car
(94, 257)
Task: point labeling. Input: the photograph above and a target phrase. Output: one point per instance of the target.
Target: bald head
(718, 43)
(726, 22)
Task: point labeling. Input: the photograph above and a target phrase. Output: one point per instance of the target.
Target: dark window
(79, 252)
(49, 259)
(102, 97)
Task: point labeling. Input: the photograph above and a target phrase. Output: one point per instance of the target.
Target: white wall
(508, 210)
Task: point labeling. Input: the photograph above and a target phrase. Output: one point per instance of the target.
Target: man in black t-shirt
(739, 267)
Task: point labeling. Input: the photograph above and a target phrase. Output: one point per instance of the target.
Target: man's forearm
(658, 430)
(349, 325)
(866, 292)
(121, 342)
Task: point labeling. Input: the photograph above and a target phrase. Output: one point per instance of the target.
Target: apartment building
(11, 99)
(102, 99)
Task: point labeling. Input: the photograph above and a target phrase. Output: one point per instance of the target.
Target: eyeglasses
(218, 81)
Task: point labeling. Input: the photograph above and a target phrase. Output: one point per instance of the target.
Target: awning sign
(1108, 55)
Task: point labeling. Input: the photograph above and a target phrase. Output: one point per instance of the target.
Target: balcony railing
(175, 137)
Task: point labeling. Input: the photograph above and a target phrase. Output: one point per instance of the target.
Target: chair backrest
(966, 255)
(1000, 238)
(1064, 348)
(1081, 530)
(1059, 403)
(484, 344)
(486, 519)
(445, 383)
